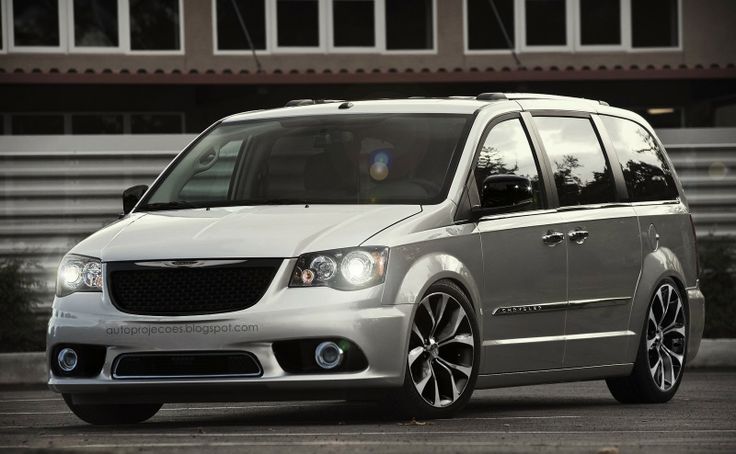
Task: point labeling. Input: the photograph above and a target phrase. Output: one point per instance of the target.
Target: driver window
(506, 151)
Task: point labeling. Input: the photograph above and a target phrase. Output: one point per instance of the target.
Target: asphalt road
(574, 417)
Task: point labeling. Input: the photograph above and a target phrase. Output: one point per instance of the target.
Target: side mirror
(504, 194)
(131, 196)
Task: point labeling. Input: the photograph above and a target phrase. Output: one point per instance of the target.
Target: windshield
(336, 159)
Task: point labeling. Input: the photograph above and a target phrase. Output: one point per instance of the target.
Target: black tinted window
(484, 31)
(297, 23)
(546, 22)
(354, 23)
(154, 25)
(506, 151)
(409, 24)
(96, 23)
(230, 32)
(581, 173)
(647, 175)
(654, 23)
(36, 22)
(600, 22)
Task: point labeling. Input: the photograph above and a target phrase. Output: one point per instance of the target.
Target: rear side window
(647, 175)
(506, 151)
(582, 174)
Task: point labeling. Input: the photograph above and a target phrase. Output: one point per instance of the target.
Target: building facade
(172, 66)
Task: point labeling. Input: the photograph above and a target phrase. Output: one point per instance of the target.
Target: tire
(660, 359)
(107, 414)
(443, 356)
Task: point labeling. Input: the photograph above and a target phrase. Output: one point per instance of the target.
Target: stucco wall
(709, 38)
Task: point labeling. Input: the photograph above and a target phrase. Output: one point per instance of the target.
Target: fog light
(328, 355)
(67, 359)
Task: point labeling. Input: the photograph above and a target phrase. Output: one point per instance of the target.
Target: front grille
(186, 365)
(142, 288)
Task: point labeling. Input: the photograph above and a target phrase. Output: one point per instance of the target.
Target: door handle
(578, 235)
(552, 239)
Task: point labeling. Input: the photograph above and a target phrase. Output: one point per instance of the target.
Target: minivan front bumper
(379, 330)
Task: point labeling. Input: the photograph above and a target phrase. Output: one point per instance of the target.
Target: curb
(715, 354)
(23, 368)
(30, 368)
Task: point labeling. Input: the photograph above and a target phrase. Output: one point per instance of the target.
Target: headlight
(78, 273)
(344, 269)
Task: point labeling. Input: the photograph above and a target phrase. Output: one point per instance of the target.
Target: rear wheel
(660, 361)
(443, 355)
(105, 414)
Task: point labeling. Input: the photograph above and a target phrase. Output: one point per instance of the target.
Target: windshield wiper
(173, 205)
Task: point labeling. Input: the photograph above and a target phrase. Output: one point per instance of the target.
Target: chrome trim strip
(656, 202)
(564, 337)
(609, 301)
(530, 308)
(545, 307)
(518, 214)
(183, 263)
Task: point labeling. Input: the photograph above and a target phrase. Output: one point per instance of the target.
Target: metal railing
(56, 190)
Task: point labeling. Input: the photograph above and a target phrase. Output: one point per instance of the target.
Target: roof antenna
(247, 36)
(505, 32)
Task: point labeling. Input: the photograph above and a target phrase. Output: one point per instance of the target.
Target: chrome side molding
(556, 306)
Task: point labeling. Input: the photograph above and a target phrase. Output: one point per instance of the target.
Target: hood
(254, 231)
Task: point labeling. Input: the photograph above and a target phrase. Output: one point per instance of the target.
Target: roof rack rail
(311, 102)
(491, 97)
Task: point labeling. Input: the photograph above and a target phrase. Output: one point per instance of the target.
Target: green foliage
(19, 325)
(718, 284)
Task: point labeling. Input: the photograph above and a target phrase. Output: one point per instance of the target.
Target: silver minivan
(408, 251)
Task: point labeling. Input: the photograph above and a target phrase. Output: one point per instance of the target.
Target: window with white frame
(324, 26)
(36, 24)
(546, 23)
(600, 22)
(36, 124)
(95, 23)
(104, 123)
(298, 24)
(155, 25)
(572, 25)
(240, 23)
(353, 23)
(409, 25)
(136, 26)
(156, 123)
(655, 23)
(490, 24)
(44, 123)
(2, 26)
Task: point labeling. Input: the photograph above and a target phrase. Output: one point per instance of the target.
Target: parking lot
(575, 417)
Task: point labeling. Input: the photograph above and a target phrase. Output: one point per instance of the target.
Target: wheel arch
(656, 266)
(431, 268)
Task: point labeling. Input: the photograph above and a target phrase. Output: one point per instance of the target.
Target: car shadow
(337, 413)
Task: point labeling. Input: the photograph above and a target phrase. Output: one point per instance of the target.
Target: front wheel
(106, 414)
(660, 360)
(443, 355)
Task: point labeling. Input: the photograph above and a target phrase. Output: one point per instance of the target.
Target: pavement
(572, 417)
